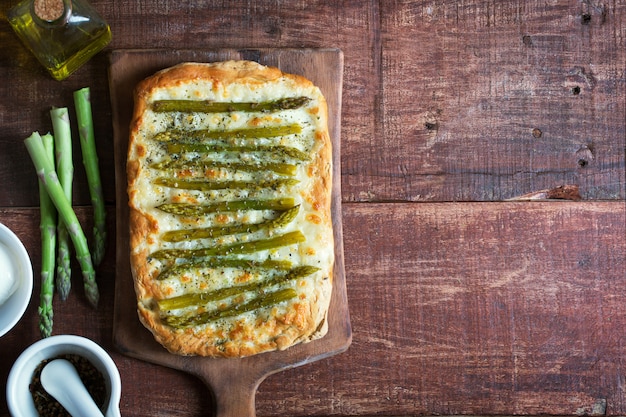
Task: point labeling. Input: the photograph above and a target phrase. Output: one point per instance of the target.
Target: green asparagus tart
(229, 169)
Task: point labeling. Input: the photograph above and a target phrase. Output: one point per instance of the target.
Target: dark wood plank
(490, 100)
(477, 308)
(468, 308)
(509, 98)
(474, 309)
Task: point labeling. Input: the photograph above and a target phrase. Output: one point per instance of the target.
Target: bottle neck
(51, 12)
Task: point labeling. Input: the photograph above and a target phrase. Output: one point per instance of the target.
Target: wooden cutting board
(233, 382)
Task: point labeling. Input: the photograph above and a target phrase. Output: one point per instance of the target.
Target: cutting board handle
(233, 394)
(238, 402)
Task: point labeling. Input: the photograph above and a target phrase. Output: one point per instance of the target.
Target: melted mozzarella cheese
(318, 248)
(8, 278)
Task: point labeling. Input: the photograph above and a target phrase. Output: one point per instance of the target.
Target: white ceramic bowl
(12, 310)
(19, 399)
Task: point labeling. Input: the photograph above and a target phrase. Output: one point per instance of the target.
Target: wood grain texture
(489, 100)
(475, 309)
(505, 98)
(457, 308)
(496, 308)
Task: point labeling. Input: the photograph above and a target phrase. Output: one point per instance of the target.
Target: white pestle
(60, 379)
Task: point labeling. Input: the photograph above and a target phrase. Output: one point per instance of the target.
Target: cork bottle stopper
(49, 10)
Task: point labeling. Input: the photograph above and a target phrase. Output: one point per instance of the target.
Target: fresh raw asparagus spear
(188, 300)
(65, 171)
(245, 133)
(273, 150)
(47, 225)
(224, 263)
(282, 220)
(48, 176)
(209, 185)
(290, 238)
(82, 101)
(207, 106)
(266, 300)
(183, 209)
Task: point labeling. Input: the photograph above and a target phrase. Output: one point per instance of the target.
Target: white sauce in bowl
(8, 277)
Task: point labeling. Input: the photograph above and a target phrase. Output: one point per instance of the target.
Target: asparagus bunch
(47, 225)
(65, 171)
(46, 172)
(82, 101)
(59, 224)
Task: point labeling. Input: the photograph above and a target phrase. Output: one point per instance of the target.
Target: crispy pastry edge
(141, 225)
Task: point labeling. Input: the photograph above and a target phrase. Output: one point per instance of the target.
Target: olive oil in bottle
(62, 34)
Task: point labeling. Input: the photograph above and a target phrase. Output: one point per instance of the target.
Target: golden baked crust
(220, 289)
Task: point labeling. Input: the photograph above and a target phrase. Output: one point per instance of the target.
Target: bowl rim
(30, 358)
(23, 294)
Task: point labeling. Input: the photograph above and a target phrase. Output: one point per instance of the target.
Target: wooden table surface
(466, 296)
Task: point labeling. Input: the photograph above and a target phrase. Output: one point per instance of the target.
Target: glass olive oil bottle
(62, 34)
